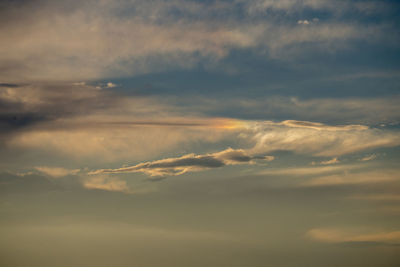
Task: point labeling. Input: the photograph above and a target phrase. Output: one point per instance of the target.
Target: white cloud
(304, 22)
(111, 85)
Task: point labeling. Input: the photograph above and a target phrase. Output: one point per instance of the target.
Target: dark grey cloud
(10, 85)
(29, 105)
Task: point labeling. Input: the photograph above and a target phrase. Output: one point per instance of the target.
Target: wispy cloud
(319, 139)
(57, 172)
(107, 184)
(368, 158)
(189, 163)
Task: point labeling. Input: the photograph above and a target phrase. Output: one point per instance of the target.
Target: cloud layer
(45, 40)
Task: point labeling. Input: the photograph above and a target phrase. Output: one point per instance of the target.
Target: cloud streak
(189, 163)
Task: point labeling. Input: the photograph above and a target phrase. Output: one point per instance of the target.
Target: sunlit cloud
(301, 137)
(319, 139)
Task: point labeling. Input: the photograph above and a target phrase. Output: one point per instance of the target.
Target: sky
(200, 133)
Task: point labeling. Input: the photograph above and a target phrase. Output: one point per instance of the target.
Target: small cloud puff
(111, 85)
(331, 161)
(304, 22)
(307, 22)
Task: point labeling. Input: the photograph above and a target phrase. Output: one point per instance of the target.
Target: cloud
(189, 163)
(294, 6)
(318, 139)
(57, 172)
(109, 44)
(304, 22)
(331, 161)
(368, 177)
(26, 105)
(111, 85)
(107, 125)
(330, 235)
(80, 121)
(368, 158)
(113, 39)
(106, 183)
(350, 110)
(112, 138)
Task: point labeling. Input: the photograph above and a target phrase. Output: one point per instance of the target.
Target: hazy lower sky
(200, 133)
